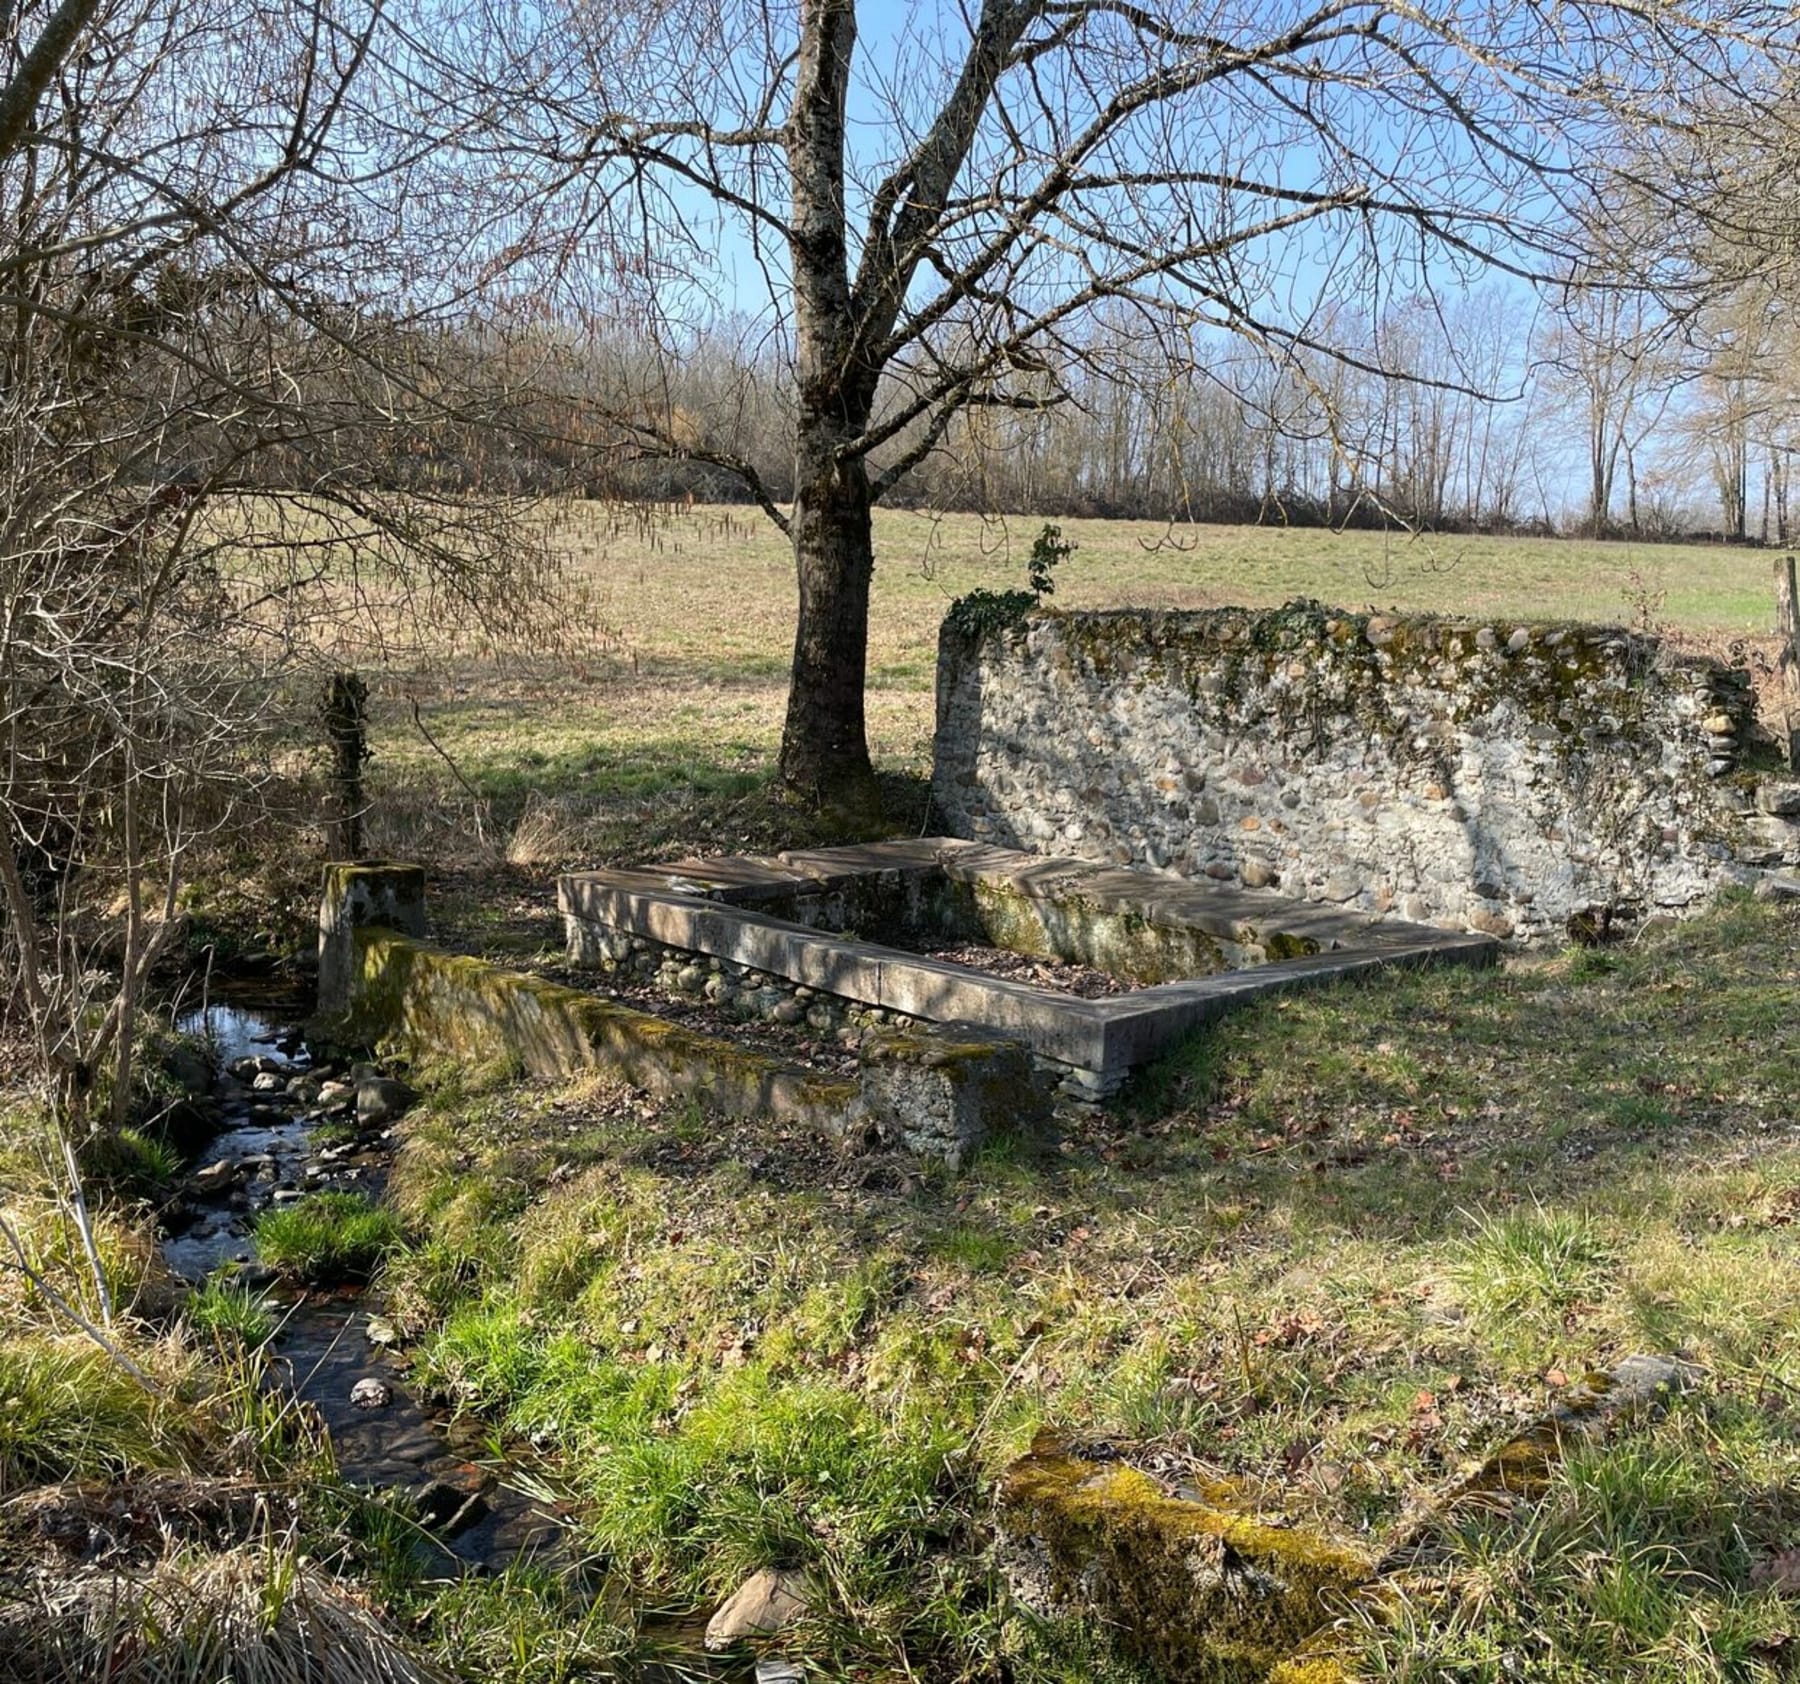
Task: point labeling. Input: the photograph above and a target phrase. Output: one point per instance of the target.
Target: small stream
(474, 1518)
(267, 1099)
(266, 1136)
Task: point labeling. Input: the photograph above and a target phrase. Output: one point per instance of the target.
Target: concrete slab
(705, 910)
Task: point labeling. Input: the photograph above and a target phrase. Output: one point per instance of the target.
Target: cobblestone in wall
(761, 995)
(1493, 776)
(734, 989)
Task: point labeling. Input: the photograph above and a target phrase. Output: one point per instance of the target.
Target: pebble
(370, 1393)
(215, 1178)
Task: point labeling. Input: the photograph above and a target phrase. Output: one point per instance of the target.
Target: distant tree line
(1602, 413)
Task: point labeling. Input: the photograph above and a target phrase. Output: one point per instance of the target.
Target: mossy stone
(1200, 1590)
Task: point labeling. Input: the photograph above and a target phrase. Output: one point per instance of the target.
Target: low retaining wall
(727, 927)
(1500, 777)
(440, 1003)
(941, 1095)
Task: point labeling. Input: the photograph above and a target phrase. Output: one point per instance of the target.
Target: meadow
(1326, 1255)
(667, 686)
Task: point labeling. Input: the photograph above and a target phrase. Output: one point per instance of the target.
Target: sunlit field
(676, 678)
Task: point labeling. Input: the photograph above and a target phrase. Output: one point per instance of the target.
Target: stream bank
(293, 1121)
(290, 1125)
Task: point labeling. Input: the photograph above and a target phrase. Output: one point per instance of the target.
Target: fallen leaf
(1779, 1572)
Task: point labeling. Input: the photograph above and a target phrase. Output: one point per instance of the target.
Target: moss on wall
(442, 1004)
(1502, 776)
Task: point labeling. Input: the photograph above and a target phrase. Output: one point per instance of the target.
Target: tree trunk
(1787, 662)
(824, 747)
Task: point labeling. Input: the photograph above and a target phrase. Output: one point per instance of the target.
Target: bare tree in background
(925, 219)
(1609, 356)
(232, 446)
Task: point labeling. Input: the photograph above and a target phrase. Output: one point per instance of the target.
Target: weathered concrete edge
(1139, 1025)
(435, 1001)
(1106, 1036)
(1061, 1027)
(1165, 902)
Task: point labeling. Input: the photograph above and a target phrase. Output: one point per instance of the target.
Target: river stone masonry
(1501, 777)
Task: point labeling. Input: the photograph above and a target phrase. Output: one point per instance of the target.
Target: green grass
(529, 1625)
(1532, 1264)
(132, 1163)
(1636, 1565)
(327, 1237)
(223, 1306)
(68, 1411)
(1360, 1236)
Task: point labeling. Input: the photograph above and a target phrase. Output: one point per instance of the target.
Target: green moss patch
(1200, 1591)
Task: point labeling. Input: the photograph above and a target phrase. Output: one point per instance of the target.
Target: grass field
(675, 683)
(1329, 1254)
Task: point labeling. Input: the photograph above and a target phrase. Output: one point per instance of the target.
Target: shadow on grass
(1359, 1235)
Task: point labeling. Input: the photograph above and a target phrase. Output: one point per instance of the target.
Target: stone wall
(1500, 777)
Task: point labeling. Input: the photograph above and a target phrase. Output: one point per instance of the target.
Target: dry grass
(253, 1615)
(669, 692)
(1335, 1249)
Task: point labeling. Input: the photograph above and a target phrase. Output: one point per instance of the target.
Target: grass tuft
(132, 1164)
(327, 1237)
(225, 1307)
(1534, 1263)
(255, 1615)
(68, 1411)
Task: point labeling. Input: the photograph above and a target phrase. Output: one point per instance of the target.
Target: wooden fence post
(345, 711)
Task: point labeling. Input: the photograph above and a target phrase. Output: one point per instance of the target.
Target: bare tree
(220, 423)
(1607, 354)
(929, 216)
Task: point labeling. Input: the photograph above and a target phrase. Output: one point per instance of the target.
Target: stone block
(1198, 1586)
(1779, 800)
(768, 1601)
(380, 893)
(942, 1092)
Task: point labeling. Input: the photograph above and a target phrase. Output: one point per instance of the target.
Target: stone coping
(713, 907)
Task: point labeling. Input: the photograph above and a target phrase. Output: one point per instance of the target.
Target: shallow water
(252, 1021)
(250, 1126)
(323, 1348)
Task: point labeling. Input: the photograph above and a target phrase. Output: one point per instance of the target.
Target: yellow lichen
(1315, 1669)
